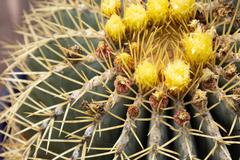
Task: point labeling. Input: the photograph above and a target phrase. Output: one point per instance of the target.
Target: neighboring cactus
(124, 80)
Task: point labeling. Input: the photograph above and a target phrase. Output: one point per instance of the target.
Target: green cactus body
(152, 87)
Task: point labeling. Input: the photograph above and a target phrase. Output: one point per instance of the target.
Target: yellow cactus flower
(177, 75)
(198, 47)
(146, 75)
(135, 17)
(182, 9)
(110, 7)
(124, 61)
(157, 10)
(115, 28)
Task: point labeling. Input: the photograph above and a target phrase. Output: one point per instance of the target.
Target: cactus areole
(124, 80)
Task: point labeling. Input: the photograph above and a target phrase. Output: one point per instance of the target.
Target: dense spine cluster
(124, 80)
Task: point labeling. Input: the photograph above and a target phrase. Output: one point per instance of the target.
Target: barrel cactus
(121, 80)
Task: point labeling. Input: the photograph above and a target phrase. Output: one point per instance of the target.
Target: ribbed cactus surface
(124, 80)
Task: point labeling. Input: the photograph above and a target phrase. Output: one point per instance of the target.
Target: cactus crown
(123, 80)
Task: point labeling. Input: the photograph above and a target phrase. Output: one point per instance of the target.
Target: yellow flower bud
(198, 47)
(146, 75)
(110, 7)
(135, 17)
(177, 75)
(124, 61)
(157, 10)
(182, 9)
(115, 28)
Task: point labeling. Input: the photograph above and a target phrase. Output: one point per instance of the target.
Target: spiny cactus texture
(124, 80)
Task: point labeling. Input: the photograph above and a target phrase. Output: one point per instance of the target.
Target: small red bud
(122, 84)
(158, 103)
(133, 112)
(103, 50)
(181, 117)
